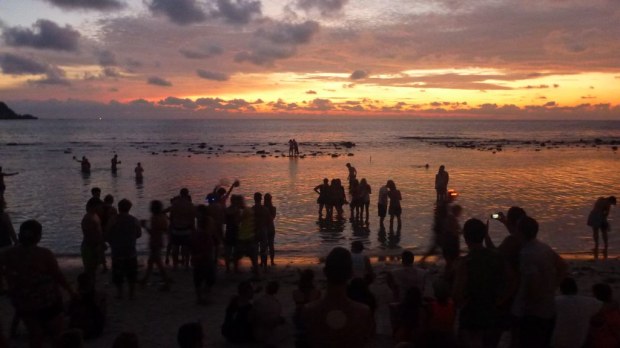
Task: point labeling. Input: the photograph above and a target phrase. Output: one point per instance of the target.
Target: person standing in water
(394, 208)
(441, 184)
(2, 185)
(85, 164)
(352, 173)
(139, 170)
(598, 221)
(323, 200)
(114, 162)
(271, 229)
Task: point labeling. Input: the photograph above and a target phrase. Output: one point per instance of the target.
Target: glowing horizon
(246, 56)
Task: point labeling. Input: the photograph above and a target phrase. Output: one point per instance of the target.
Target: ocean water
(553, 169)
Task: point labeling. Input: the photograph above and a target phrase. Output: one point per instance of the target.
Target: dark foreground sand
(155, 316)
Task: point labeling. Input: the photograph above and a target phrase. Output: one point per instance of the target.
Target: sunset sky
(214, 58)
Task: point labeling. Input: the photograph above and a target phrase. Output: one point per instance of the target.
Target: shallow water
(557, 186)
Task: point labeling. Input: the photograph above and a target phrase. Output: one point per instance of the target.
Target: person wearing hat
(361, 263)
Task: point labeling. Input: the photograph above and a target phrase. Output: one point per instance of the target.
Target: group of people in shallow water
(332, 196)
(85, 166)
(476, 297)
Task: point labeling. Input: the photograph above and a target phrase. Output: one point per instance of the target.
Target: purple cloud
(182, 12)
(158, 81)
(44, 35)
(211, 75)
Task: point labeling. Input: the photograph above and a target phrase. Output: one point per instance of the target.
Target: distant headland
(7, 114)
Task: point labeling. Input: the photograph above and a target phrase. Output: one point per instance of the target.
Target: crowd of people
(477, 297)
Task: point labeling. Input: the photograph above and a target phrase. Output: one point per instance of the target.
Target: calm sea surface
(556, 183)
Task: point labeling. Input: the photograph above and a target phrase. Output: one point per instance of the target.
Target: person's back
(237, 327)
(87, 311)
(182, 213)
(122, 236)
(407, 277)
(7, 232)
(573, 315)
(335, 320)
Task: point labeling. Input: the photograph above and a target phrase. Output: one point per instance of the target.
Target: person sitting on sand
(267, 320)
(335, 320)
(401, 279)
(237, 327)
(598, 221)
(362, 267)
(2, 185)
(157, 229)
(573, 315)
(35, 280)
(190, 335)
(122, 236)
(605, 326)
(87, 312)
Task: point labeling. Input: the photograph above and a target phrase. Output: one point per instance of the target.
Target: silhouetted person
(382, 204)
(139, 172)
(477, 289)
(262, 219)
(237, 327)
(233, 220)
(291, 148)
(441, 184)
(85, 164)
(87, 312)
(182, 223)
(95, 192)
(573, 315)
(394, 209)
(364, 192)
(122, 236)
(408, 276)
(157, 229)
(352, 173)
(605, 326)
(335, 320)
(7, 233)
(323, 200)
(190, 335)
(271, 228)
(35, 282)
(114, 162)
(295, 147)
(2, 185)
(203, 259)
(247, 238)
(92, 241)
(598, 221)
(267, 320)
(362, 268)
(541, 270)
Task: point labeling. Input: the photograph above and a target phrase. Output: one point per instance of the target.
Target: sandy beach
(155, 316)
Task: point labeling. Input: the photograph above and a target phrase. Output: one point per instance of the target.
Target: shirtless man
(2, 186)
(336, 320)
(182, 223)
(597, 219)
